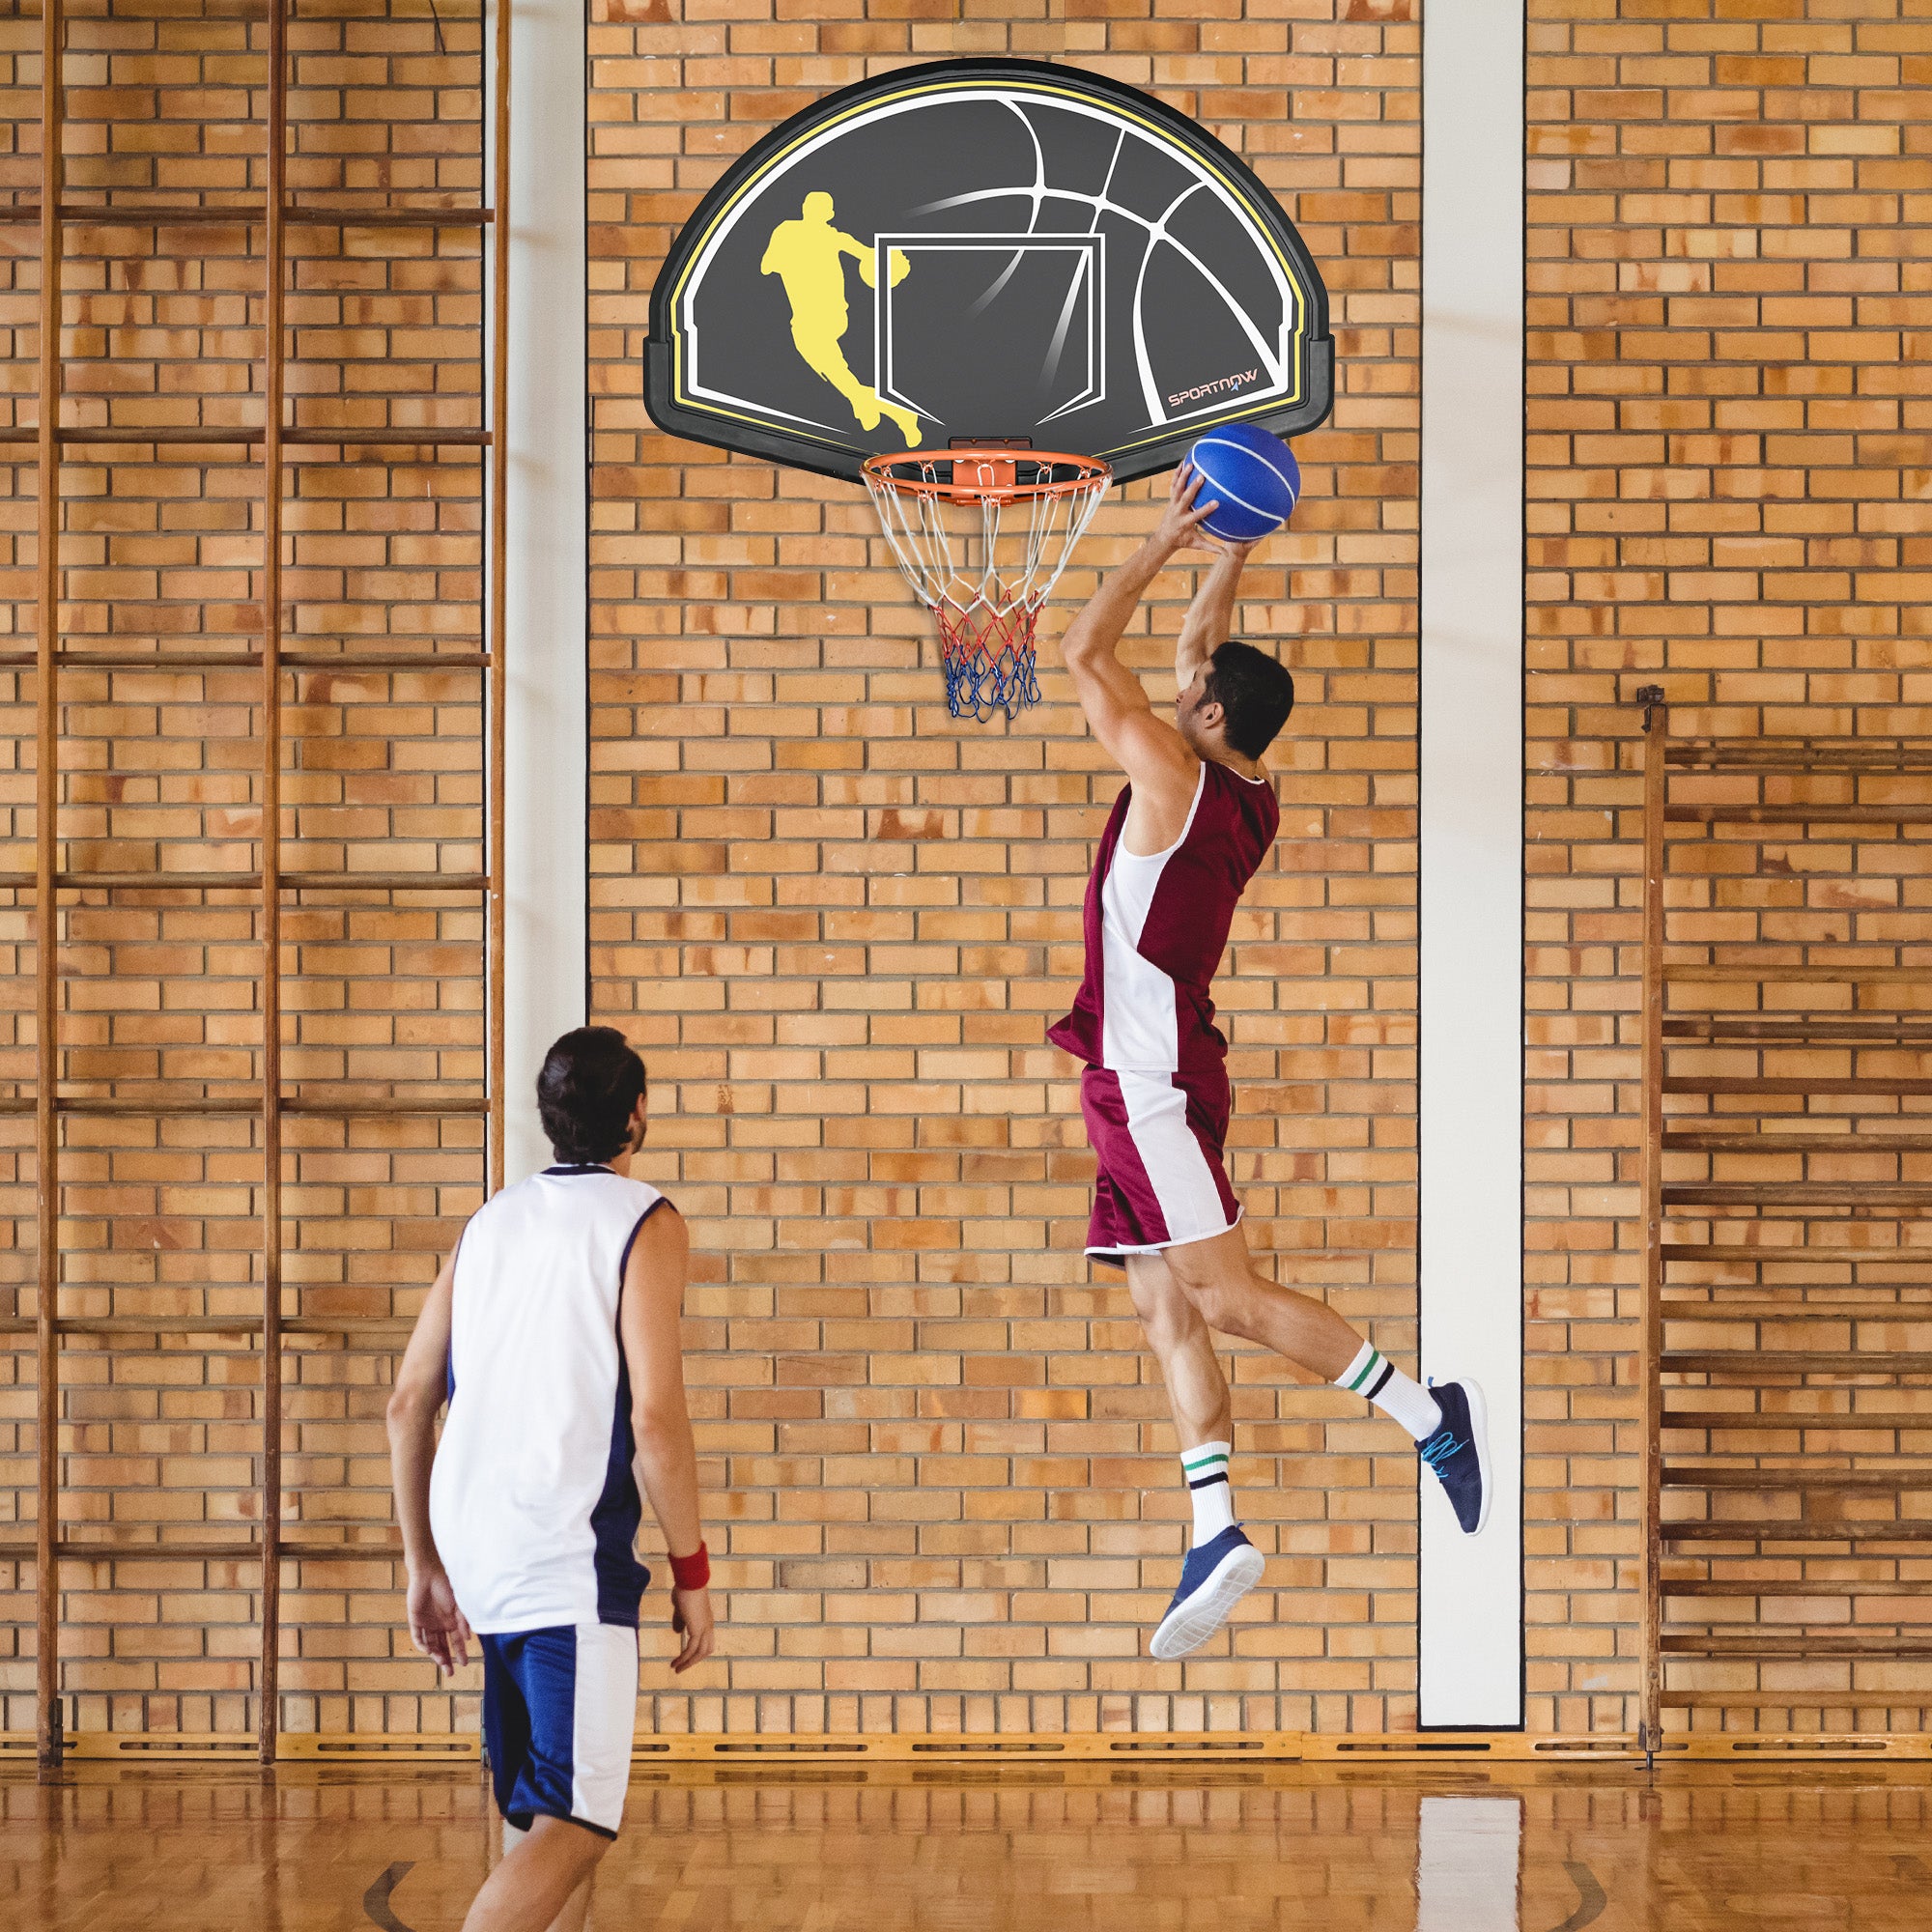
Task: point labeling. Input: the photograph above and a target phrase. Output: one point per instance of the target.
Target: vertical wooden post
(273, 387)
(1656, 777)
(500, 524)
(46, 908)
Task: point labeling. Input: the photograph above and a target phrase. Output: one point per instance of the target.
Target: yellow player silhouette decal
(808, 255)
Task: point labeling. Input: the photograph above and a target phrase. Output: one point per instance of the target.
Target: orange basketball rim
(983, 533)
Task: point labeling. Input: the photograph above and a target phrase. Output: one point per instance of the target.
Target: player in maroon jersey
(1187, 834)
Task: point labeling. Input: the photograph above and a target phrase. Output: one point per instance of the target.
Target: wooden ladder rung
(290, 882)
(1780, 1088)
(1796, 1255)
(1730, 974)
(251, 214)
(1869, 1197)
(122, 1106)
(1863, 1143)
(1678, 1477)
(1905, 1530)
(1788, 1744)
(1883, 1420)
(251, 660)
(1706, 1029)
(1795, 1362)
(374, 1328)
(1796, 1643)
(1677, 1308)
(1782, 1587)
(1806, 755)
(1797, 814)
(294, 1543)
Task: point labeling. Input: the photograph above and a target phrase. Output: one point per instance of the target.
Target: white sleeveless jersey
(532, 1499)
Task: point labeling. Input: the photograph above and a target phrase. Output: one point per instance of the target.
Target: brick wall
(839, 923)
(162, 549)
(1727, 440)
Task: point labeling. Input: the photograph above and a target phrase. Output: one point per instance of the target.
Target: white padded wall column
(1471, 1636)
(546, 719)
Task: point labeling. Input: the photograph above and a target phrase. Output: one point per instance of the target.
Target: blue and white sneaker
(1458, 1452)
(1213, 1580)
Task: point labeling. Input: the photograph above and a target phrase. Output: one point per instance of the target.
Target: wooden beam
(497, 580)
(275, 380)
(46, 910)
(1656, 737)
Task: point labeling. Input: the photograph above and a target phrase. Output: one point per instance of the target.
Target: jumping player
(1187, 834)
(809, 257)
(552, 1333)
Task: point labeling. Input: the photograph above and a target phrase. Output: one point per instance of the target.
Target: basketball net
(982, 534)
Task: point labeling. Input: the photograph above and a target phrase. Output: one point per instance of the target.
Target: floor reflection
(1468, 1859)
(1252, 1850)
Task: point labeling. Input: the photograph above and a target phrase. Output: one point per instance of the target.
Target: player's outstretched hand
(690, 1619)
(1236, 554)
(437, 1627)
(1179, 524)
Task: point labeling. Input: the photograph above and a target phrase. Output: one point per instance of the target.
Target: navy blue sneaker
(1213, 1580)
(1458, 1452)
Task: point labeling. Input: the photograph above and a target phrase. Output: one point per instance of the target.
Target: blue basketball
(1252, 476)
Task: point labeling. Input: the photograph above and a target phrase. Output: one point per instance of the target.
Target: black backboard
(986, 249)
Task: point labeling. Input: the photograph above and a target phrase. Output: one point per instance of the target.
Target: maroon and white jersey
(1158, 926)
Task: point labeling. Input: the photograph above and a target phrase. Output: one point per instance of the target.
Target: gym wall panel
(1727, 407)
(161, 771)
(838, 923)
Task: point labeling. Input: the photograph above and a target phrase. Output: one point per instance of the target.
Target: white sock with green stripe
(1205, 1468)
(1372, 1374)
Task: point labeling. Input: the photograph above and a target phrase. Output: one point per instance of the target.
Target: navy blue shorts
(559, 1712)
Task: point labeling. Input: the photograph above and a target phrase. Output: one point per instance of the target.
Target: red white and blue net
(982, 534)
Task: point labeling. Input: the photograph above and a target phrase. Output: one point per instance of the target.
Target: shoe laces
(1442, 1448)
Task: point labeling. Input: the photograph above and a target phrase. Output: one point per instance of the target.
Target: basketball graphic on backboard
(985, 251)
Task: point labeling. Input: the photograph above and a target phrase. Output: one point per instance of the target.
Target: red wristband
(693, 1572)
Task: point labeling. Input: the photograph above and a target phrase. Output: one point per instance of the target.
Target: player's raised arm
(1146, 747)
(1210, 618)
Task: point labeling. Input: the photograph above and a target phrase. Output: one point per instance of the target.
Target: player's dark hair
(591, 1085)
(1255, 693)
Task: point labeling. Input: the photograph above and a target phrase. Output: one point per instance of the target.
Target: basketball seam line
(1241, 448)
(1229, 496)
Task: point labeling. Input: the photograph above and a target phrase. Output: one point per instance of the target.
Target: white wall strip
(546, 719)
(1470, 1615)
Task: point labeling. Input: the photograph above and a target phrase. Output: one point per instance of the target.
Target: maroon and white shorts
(1159, 1140)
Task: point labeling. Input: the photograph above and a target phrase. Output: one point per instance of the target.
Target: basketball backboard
(986, 251)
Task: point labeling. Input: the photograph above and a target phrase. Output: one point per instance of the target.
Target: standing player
(1187, 834)
(552, 1332)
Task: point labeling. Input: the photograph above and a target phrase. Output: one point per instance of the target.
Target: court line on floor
(375, 1900)
(1592, 1903)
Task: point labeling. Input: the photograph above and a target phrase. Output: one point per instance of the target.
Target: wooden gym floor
(903, 1848)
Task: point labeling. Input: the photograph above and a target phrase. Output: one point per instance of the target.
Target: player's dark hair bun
(1254, 691)
(591, 1085)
